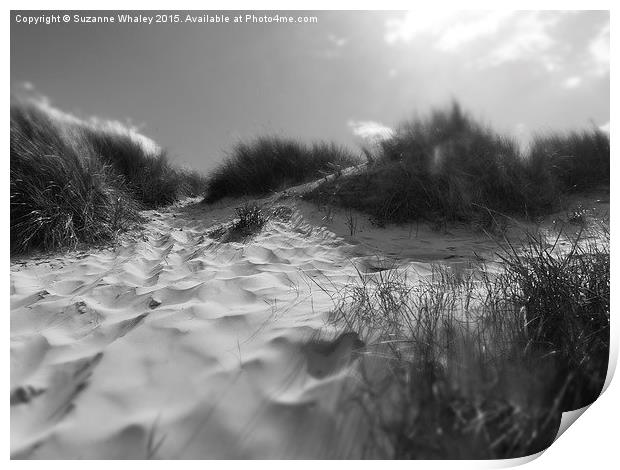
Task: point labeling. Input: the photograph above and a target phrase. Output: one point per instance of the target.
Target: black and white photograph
(249, 234)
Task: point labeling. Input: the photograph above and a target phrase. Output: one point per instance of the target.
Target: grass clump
(78, 182)
(144, 168)
(58, 197)
(250, 220)
(448, 167)
(272, 163)
(579, 161)
(452, 370)
(565, 301)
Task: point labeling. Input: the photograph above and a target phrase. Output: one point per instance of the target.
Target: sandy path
(175, 346)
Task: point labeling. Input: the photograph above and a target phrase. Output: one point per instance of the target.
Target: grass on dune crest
(75, 182)
(272, 163)
(59, 198)
(579, 161)
(148, 175)
(145, 170)
(448, 167)
(478, 363)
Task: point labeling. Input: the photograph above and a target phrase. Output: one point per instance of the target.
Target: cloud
(63, 117)
(572, 82)
(68, 120)
(505, 36)
(449, 29)
(337, 41)
(529, 36)
(599, 51)
(27, 90)
(371, 131)
(473, 28)
(605, 128)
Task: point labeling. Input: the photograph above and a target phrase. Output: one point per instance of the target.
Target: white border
(591, 443)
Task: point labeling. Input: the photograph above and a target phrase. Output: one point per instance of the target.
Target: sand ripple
(175, 346)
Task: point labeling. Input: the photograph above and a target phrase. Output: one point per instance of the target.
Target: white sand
(173, 345)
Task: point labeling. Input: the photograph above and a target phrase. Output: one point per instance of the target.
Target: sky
(348, 77)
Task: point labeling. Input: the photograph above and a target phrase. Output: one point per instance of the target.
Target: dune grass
(251, 218)
(565, 301)
(273, 163)
(479, 361)
(249, 221)
(75, 182)
(448, 167)
(579, 161)
(148, 175)
(58, 198)
(146, 171)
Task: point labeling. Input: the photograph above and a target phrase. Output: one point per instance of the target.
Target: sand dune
(175, 345)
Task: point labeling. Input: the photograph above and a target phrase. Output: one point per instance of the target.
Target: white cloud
(572, 82)
(605, 128)
(461, 32)
(67, 119)
(449, 29)
(414, 24)
(371, 131)
(45, 104)
(510, 35)
(599, 50)
(27, 89)
(528, 38)
(337, 41)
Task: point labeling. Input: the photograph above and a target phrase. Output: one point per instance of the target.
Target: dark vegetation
(479, 361)
(271, 164)
(250, 220)
(448, 167)
(74, 182)
(578, 161)
(565, 302)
